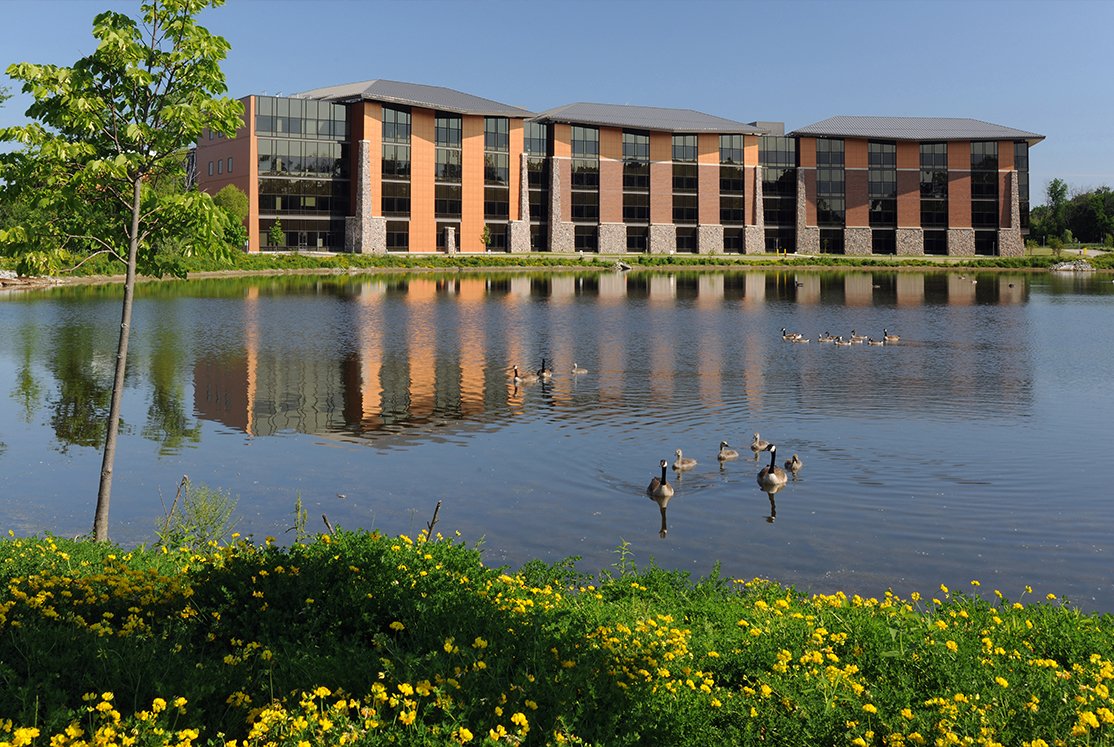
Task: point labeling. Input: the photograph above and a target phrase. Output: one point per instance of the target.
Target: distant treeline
(1084, 217)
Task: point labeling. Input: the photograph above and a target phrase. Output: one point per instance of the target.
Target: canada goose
(800, 339)
(659, 487)
(726, 454)
(527, 378)
(826, 337)
(758, 445)
(787, 335)
(857, 338)
(872, 341)
(545, 374)
(578, 370)
(772, 475)
(841, 342)
(888, 337)
(794, 465)
(683, 462)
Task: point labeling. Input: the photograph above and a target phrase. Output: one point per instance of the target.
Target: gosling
(726, 454)
(683, 462)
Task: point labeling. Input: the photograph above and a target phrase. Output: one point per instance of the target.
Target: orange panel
(750, 186)
(373, 131)
(858, 202)
(959, 184)
(707, 202)
(909, 155)
(611, 143)
(1005, 155)
(517, 143)
(562, 140)
(472, 184)
(611, 191)
(855, 153)
(908, 198)
(423, 228)
(959, 155)
(806, 151)
(661, 147)
(750, 150)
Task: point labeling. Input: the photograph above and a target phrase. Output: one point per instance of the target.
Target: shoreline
(594, 263)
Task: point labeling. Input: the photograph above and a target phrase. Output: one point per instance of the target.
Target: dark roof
(643, 118)
(915, 128)
(415, 94)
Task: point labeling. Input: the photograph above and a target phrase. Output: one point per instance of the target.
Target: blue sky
(1036, 66)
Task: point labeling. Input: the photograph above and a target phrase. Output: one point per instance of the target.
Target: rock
(1079, 265)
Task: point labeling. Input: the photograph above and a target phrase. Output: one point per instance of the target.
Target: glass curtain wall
(882, 192)
(685, 187)
(538, 149)
(934, 197)
(497, 191)
(396, 177)
(303, 172)
(777, 155)
(732, 195)
(1021, 163)
(831, 194)
(636, 189)
(984, 196)
(586, 187)
(448, 157)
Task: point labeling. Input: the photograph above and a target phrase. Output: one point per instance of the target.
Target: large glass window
(882, 188)
(1021, 163)
(536, 144)
(636, 161)
(585, 180)
(984, 195)
(934, 190)
(830, 185)
(778, 156)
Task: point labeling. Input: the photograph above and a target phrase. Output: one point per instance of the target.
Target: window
(210, 168)
(830, 190)
(684, 148)
(230, 164)
(585, 142)
(447, 130)
(1021, 163)
(882, 190)
(778, 156)
(396, 198)
(636, 160)
(684, 208)
(396, 125)
(636, 207)
(934, 193)
(497, 134)
(220, 167)
(398, 235)
(586, 180)
(536, 138)
(731, 149)
(447, 201)
(984, 196)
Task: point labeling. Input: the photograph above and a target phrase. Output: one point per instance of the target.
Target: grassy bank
(365, 639)
(272, 262)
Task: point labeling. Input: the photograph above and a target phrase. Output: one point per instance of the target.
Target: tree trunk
(100, 519)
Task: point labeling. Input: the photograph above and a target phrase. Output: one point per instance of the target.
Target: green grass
(360, 638)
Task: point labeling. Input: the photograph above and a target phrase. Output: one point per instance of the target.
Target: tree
(232, 200)
(276, 236)
(104, 132)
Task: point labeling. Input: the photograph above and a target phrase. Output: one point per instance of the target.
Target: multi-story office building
(385, 166)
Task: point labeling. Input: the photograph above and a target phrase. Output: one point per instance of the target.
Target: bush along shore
(360, 639)
(103, 268)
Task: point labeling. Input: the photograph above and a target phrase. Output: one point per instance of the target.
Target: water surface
(976, 448)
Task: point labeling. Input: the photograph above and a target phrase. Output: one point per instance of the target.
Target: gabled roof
(915, 128)
(415, 94)
(644, 118)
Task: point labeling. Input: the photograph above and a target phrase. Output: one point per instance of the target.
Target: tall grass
(360, 638)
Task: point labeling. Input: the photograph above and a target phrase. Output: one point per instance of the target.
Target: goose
(800, 339)
(659, 487)
(826, 337)
(758, 445)
(888, 337)
(683, 462)
(577, 369)
(545, 374)
(794, 465)
(772, 476)
(528, 378)
(787, 335)
(872, 341)
(857, 338)
(726, 454)
(841, 342)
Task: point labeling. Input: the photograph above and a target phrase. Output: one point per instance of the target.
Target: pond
(976, 448)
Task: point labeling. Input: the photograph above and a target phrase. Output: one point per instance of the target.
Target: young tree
(104, 132)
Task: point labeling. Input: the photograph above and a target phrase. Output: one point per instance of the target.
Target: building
(382, 166)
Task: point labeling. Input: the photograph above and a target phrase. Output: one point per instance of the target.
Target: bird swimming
(726, 454)
(659, 487)
(577, 369)
(888, 337)
(527, 378)
(683, 462)
(545, 373)
(794, 465)
(772, 476)
(758, 445)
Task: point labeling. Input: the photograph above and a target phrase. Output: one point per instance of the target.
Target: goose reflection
(773, 505)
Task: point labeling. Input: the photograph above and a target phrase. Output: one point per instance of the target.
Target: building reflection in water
(387, 357)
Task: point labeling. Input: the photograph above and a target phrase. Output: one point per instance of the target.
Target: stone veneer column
(450, 240)
(562, 234)
(363, 232)
(857, 241)
(910, 242)
(754, 237)
(613, 238)
(808, 237)
(961, 242)
(709, 239)
(520, 229)
(1010, 241)
(663, 238)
